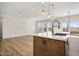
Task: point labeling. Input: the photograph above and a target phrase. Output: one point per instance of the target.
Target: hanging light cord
(68, 24)
(43, 11)
(52, 10)
(49, 8)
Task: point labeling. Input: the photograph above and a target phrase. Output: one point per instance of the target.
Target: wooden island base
(48, 47)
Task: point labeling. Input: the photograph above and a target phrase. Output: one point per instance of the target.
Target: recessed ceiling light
(18, 14)
(42, 2)
(33, 9)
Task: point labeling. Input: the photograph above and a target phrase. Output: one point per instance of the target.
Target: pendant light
(49, 15)
(43, 11)
(51, 8)
(68, 23)
(52, 11)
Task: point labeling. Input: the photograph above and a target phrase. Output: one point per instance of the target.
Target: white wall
(16, 26)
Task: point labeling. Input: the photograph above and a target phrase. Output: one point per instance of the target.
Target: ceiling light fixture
(18, 14)
(68, 23)
(52, 11)
(43, 11)
(46, 11)
(49, 14)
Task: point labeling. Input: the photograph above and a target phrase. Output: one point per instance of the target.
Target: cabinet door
(38, 46)
(54, 48)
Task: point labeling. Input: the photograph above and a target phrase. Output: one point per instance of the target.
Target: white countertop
(50, 36)
(74, 36)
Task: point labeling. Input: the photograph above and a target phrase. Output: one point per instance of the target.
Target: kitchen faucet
(55, 23)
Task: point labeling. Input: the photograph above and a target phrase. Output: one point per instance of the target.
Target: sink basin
(60, 34)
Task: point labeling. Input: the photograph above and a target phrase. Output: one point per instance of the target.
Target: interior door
(38, 47)
(54, 48)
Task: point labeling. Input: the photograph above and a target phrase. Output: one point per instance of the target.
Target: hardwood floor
(18, 46)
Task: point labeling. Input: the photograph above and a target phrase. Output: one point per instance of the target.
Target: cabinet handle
(42, 41)
(45, 42)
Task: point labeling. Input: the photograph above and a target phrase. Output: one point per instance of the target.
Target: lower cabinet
(38, 47)
(48, 47)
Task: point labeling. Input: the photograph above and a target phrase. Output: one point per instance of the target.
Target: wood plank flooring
(18, 46)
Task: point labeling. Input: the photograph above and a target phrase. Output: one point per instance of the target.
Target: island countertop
(51, 36)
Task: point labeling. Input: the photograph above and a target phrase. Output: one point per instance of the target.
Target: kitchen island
(46, 44)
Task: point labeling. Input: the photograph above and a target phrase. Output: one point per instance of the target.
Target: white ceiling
(25, 9)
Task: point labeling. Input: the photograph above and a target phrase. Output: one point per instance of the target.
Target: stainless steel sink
(60, 34)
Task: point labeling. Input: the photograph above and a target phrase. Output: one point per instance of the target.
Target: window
(74, 27)
(75, 24)
(44, 26)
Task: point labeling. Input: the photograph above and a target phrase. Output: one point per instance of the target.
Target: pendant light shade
(43, 12)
